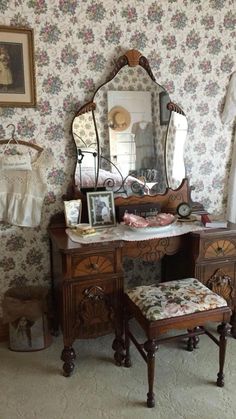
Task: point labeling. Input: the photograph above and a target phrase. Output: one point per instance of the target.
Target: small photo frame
(73, 210)
(164, 111)
(17, 75)
(101, 209)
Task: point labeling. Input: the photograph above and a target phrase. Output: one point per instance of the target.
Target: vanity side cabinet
(213, 261)
(87, 287)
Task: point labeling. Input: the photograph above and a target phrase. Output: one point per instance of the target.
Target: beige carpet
(33, 387)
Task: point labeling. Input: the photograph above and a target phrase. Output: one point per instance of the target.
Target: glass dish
(154, 229)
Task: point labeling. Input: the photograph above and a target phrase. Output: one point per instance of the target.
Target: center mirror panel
(132, 132)
(128, 140)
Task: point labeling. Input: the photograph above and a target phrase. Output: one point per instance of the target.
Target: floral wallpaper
(190, 45)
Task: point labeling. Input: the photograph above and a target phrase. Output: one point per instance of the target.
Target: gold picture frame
(17, 73)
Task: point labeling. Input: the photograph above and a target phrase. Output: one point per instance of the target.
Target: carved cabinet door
(90, 306)
(219, 277)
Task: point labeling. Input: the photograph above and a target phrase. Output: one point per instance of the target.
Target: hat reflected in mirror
(119, 119)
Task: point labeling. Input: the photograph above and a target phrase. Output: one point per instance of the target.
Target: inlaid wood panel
(94, 264)
(220, 248)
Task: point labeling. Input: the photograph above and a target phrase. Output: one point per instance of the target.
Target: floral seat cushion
(174, 298)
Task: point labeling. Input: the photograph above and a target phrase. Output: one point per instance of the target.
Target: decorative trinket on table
(73, 210)
(84, 230)
(160, 220)
(184, 210)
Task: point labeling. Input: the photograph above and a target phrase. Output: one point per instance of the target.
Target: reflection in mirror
(176, 137)
(133, 145)
(84, 133)
(130, 130)
(138, 149)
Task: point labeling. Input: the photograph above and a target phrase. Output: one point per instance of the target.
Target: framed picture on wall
(101, 209)
(17, 75)
(164, 112)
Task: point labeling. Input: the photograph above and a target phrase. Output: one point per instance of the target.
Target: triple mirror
(130, 138)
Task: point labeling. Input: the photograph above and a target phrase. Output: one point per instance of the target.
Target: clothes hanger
(22, 142)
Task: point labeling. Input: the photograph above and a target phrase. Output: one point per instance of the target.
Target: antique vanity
(88, 279)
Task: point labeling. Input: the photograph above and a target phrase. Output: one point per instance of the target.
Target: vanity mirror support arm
(98, 148)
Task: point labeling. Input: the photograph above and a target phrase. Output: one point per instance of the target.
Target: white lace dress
(22, 191)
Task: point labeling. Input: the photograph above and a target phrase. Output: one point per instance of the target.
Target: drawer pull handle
(94, 266)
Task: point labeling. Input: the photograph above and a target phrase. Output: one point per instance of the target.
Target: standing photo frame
(73, 211)
(101, 209)
(17, 74)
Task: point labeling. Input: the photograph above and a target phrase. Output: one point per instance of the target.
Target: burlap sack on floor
(29, 302)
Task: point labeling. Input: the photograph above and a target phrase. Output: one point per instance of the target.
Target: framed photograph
(101, 209)
(164, 112)
(17, 75)
(73, 210)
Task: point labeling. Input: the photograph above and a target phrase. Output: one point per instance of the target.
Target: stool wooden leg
(223, 330)
(192, 341)
(150, 347)
(233, 324)
(118, 343)
(127, 362)
(118, 347)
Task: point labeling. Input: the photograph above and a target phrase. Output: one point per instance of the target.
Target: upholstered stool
(181, 304)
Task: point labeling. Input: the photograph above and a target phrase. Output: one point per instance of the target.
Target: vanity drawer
(92, 264)
(220, 248)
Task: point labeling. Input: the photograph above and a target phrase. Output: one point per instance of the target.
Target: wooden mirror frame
(171, 198)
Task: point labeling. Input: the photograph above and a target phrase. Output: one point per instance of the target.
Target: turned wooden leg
(118, 344)
(233, 324)
(68, 356)
(150, 347)
(223, 330)
(127, 362)
(192, 341)
(118, 347)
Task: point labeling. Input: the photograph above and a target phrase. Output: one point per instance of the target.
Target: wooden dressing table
(88, 278)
